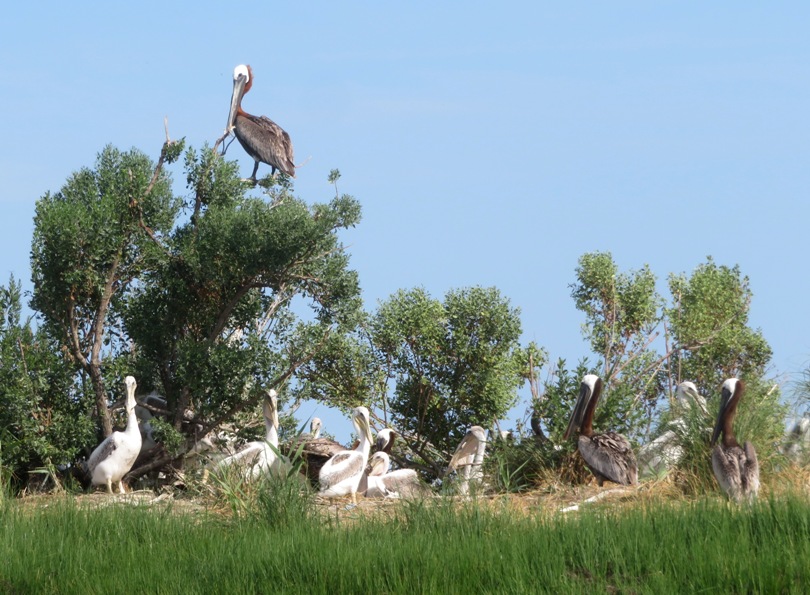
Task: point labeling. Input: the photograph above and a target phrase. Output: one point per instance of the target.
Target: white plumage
(469, 457)
(341, 475)
(382, 483)
(114, 457)
(259, 457)
(659, 455)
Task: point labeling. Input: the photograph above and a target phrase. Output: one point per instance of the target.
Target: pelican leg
(109, 485)
(121, 486)
(253, 175)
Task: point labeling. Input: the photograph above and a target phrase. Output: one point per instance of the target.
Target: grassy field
(435, 547)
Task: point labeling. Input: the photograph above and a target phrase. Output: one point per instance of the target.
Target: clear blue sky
(488, 146)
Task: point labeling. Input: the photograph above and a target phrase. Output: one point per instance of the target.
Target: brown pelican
(259, 457)
(469, 457)
(659, 455)
(382, 483)
(607, 455)
(262, 139)
(385, 440)
(342, 474)
(113, 458)
(735, 468)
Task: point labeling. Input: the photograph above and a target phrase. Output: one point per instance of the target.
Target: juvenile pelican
(468, 457)
(342, 474)
(260, 456)
(735, 468)
(382, 483)
(607, 455)
(262, 139)
(113, 458)
(315, 428)
(657, 456)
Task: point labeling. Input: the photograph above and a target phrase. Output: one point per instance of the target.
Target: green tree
(708, 320)
(622, 313)
(247, 290)
(455, 363)
(90, 244)
(43, 417)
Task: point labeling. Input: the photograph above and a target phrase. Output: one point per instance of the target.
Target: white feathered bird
(259, 457)
(114, 457)
(341, 475)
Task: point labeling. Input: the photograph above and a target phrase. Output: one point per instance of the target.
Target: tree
(709, 324)
(199, 299)
(455, 363)
(214, 320)
(89, 245)
(43, 417)
(622, 312)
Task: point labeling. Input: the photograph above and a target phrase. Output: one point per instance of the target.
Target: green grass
(707, 546)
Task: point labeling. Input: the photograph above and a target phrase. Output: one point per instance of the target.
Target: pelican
(665, 451)
(261, 456)
(315, 428)
(385, 440)
(113, 458)
(382, 483)
(735, 468)
(262, 139)
(469, 456)
(607, 455)
(342, 474)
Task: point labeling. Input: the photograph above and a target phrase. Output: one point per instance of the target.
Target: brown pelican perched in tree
(260, 456)
(342, 474)
(607, 455)
(114, 457)
(735, 467)
(382, 483)
(262, 139)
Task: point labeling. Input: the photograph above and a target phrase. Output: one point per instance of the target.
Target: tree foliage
(89, 245)
(43, 417)
(455, 363)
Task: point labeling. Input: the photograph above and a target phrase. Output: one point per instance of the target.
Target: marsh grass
(439, 545)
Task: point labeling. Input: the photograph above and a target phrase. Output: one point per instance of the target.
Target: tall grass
(423, 547)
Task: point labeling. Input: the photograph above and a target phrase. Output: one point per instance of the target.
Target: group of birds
(609, 455)
(340, 471)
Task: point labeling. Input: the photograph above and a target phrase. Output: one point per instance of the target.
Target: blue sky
(487, 146)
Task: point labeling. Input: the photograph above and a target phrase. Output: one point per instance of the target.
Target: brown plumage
(264, 140)
(736, 468)
(608, 455)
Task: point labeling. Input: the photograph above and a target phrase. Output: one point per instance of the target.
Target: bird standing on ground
(736, 468)
(114, 457)
(608, 455)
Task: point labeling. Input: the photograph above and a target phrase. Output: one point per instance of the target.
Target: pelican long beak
(271, 408)
(725, 398)
(579, 410)
(238, 90)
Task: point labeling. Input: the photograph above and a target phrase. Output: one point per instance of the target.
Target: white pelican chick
(382, 483)
(736, 468)
(260, 456)
(114, 457)
(342, 474)
(659, 455)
